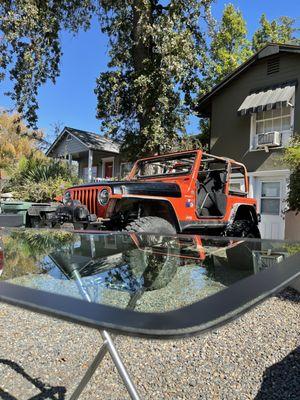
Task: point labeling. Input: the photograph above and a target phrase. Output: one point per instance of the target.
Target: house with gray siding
(97, 156)
(254, 112)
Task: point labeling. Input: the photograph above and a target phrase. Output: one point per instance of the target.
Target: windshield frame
(163, 157)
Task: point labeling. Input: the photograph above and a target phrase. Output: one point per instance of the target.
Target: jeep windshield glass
(180, 164)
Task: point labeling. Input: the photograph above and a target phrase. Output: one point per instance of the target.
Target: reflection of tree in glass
(24, 250)
(123, 278)
(42, 241)
(292, 248)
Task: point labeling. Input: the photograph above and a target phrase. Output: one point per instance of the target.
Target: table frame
(206, 314)
(201, 316)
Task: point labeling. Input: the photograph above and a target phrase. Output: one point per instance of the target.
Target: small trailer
(26, 214)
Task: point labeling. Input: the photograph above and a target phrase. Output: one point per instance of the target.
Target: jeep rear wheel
(243, 228)
(152, 225)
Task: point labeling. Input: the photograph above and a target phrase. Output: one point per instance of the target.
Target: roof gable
(90, 140)
(94, 141)
(266, 51)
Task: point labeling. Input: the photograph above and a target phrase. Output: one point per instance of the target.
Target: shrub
(42, 191)
(16, 141)
(41, 180)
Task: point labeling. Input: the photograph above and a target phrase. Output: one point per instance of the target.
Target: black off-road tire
(243, 228)
(151, 225)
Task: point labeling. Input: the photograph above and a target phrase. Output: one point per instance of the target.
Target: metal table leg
(120, 366)
(107, 346)
(90, 372)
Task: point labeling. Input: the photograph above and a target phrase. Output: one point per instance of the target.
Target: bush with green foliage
(292, 158)
(41, 180)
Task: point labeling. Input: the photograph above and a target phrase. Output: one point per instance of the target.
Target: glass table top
(143, 273)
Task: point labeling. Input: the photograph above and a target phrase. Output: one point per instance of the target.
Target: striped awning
(267, 99)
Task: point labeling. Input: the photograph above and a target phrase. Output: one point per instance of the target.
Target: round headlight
(103, 197)
(66, 197)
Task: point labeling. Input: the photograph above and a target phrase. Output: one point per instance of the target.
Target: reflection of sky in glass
(198, 277)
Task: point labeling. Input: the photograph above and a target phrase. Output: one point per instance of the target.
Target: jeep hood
(162, 189)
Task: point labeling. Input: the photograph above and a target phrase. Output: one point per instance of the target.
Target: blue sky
(72, 102)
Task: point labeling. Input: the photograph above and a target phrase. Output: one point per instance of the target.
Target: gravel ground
(255, 357)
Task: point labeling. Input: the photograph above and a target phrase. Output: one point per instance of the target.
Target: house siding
(68, 146)
(230, 133)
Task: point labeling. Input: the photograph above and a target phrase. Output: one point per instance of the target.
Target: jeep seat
(211, 200)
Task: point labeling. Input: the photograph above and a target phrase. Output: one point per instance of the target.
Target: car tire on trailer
(151, 225)
(243, 228)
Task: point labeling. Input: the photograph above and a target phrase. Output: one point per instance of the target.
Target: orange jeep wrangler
(180, 192)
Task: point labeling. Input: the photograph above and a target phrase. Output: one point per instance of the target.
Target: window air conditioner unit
(269, 139)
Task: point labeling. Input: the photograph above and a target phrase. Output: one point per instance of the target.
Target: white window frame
(279, 197)
(288, 132)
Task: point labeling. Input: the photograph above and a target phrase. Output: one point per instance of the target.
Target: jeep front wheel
(243, 228)
(151, 225)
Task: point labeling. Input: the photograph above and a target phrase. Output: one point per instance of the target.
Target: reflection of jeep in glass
(179, 192)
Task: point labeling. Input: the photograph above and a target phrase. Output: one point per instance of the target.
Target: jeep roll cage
(200, 159)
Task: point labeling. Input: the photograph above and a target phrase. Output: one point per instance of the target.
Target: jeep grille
(88, 197)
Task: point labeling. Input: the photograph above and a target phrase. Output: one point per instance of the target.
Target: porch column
(70, 160)
(90, 166)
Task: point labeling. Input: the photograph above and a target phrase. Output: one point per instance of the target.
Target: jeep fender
(158, 207)
(241, 211)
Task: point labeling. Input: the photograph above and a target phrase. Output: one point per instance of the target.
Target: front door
(271, 197)
(108, 169)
